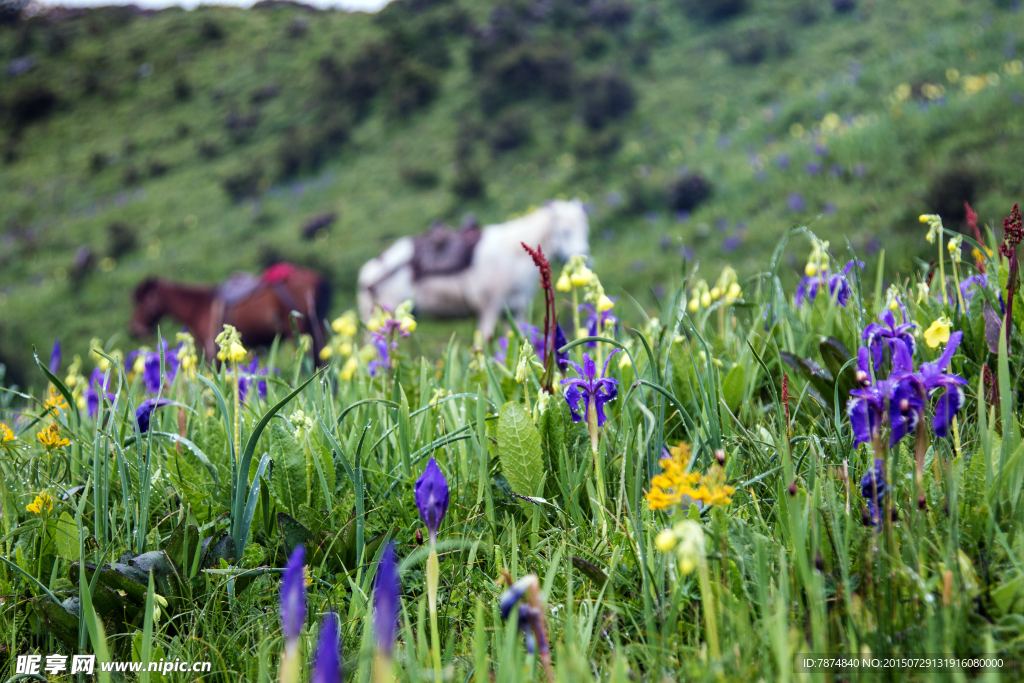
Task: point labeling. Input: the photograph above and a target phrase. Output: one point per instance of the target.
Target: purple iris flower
(99, 381)
(561, 357)
(383, 359)
(55, 357)
(592, 390)
(529, 616)
(293, 596)
(866, 407)
(145, 411)
(151, 366)
(874, 487)
(431, 492)
(501, 355)
(838, 285)
(385, 600)
(966, 287)
(252, 375)
(881, 336)
(593, 318)
(913, 388)
(327, 666)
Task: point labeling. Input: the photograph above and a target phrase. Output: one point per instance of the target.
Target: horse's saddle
(237, 288)
(444, 251)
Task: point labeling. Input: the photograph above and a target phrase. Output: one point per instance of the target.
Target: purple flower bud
(55, 357)
(432, 497)
(293, 596)
(145, 411)
(562, 357)
(327, 666)
(385, 600)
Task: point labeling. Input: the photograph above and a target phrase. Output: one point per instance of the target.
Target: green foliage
(520, 452)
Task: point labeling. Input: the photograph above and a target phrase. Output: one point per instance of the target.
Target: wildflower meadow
(750, 482)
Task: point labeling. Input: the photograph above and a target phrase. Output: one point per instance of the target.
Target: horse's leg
(489, 314)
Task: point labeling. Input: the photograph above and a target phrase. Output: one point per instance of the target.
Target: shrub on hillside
(525, 72)
(412, 87)
(687, 192)
(208, 148)
(948, 191)
(754, 46)
(11, 10)
(156, 168)
(121, 239)
(32, 104)
(468, 183)
(304, 151)
(606, 97)
(181, 89)
(713, 10)
(211, 31)
(244, 182)
(511, 130)
(420, 177)
(598, 144)
(844, 6)
(611, 14)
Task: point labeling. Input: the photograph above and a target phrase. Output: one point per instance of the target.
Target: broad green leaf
(519, 450)
(66, 533)
(732, 387)
(289, 484)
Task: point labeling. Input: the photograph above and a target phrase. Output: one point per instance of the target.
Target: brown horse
(259, 317)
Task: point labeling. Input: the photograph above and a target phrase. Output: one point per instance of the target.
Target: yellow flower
(346, 324)
(325, 353)
(922, 292)
(713, 489)
(691, 544)
(42, 502)
(349, 369)
(733, 293)
(230, 343)
(408, 324)
(6, 434)
(716, 293)
(665, 540)
(953, 247)
(54, 401)
(705, 299)
(187, 358)
(582, 277)
(564, 284)
(52, 438)
(811, 269)
(938, 332)
(604, 303)
(669, 487)
(139, 366)
(934, 226)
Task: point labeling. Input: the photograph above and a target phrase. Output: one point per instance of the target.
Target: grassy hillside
(192, 144)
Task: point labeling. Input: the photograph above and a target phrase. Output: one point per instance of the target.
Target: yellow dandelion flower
(55, 401)
(669, 487)
(6, 433)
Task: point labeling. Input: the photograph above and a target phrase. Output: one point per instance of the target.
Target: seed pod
(894, 514)
(720, 456)
(419, 537)
(792, 488)
(819, 562)
(922, 502)
(865, 517)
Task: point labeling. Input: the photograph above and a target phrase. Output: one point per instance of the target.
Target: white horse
(501, 273)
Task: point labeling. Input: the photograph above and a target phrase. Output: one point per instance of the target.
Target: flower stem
(942, 269)
(708, 601)
(433, 574)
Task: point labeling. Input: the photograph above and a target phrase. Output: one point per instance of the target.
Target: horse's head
(148, 308)
(570, 231)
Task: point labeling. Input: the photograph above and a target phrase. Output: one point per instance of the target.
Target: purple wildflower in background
(592, 390)
(651, 217)
(249, 376)
(536, 337)
(605, 318)
(431, 492)
(874, 487)
(613, 198)
(835, 170)
(665, 241)
(796, 202)
(829, 208)
(878, 337)
(387, 588)
(327, 665)
(682, 216)
(813, 167)
(686, 252)
(860, 170)
(782, 161)
(820, 148)
(501, 355)
(838, 285)
(970, 285)
(55, 356)
(293, 596)
(561, 357)
(383, 359)
(145, 411)
(530, 617)
(98, 382)
(722, 224)
(151, 366)
(730, 243)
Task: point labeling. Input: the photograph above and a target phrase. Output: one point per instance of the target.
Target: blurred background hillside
(190, 144)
